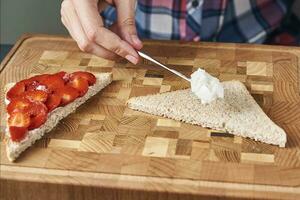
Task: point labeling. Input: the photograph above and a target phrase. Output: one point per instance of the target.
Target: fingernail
(136, 40)
(132, 59)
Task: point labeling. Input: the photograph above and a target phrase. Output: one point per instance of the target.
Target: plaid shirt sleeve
(251, 21)
(289, 31)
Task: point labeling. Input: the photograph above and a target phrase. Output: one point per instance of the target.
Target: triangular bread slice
(237, 113)
(14, 149)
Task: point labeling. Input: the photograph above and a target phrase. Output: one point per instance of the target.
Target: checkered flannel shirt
(251, 21)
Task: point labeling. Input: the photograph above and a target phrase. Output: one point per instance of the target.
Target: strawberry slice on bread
(35, 105)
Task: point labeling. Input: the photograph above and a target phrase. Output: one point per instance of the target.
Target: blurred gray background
(27, 16)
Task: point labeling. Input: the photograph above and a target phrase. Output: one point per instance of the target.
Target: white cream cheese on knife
(206, 87)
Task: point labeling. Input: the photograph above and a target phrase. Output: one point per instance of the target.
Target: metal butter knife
(165, 67)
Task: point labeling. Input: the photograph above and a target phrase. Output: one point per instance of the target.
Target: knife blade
(143, 55)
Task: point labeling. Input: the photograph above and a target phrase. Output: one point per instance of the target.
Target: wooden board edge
(61, 191)
(226, 45)
(146, 184)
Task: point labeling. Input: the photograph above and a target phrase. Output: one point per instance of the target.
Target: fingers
(71, 22)
(92, 25)
(102, 5)
(126, 22)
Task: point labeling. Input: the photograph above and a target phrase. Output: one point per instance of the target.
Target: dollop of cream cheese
(206, 87)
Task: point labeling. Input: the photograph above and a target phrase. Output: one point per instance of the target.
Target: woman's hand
(85, 25)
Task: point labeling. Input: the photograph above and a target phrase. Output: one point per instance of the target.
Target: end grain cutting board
(108, 150)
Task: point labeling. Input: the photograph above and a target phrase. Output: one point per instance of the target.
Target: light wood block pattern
(152, 81)
(165, 88)
(105, 148)
(155, 146)
(168, 123)
(254, 157)
(259, 69)
(97, 62)
(261, 87)
(57, 143)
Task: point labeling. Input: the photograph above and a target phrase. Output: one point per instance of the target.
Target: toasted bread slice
(237, 113)
(14, 149)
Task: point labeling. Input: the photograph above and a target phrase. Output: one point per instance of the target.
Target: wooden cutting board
(108, 150)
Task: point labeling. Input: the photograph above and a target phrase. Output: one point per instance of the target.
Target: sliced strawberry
(15, 91)
(68, 94)
(35, 95)
(34, 83)
(38, 115)
(17, 133)
(61, 74)
(39, 78)
(80, 84)
(37, 121)
(18, 105)
(91, 79)
(37, 107)
(19, 119)
(53, 82)
(31, 85)
(53, 101)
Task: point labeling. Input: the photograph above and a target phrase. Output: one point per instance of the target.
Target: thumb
(126, 22)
